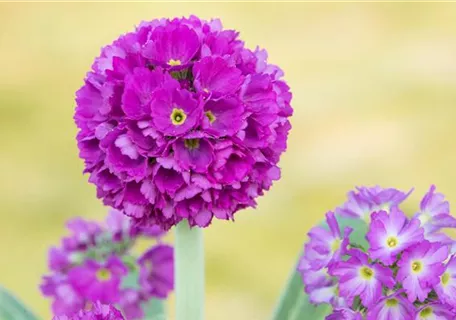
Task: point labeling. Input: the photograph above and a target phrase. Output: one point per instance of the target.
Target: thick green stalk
(189, 272)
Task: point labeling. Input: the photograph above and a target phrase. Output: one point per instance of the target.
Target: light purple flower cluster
(408, 270)
(95, 263)
(97, 311)
(178, 120)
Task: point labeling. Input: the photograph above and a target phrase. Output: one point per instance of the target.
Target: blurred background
(374, 100)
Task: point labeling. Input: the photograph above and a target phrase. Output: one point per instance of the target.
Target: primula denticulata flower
(178, 120)
(94, 262)
(408, 270)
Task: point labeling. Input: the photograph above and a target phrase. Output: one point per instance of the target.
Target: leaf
(13, 309)
(154, 309)
(294, 303)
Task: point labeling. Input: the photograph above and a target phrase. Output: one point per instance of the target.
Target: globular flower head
(358, 277)
(420, 268)
(407, 269)
(178, 120)
(394, 306)
(103, 268)
(390, 234)
(98, 311)
(362, 202)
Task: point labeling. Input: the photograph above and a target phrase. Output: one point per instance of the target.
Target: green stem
(289, 297)
(189, 272)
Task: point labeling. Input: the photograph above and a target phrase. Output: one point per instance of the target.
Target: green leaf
(13, 309)
(154, 309)
(294, 303)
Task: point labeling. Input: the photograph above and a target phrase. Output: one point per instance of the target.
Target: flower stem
(189, 272)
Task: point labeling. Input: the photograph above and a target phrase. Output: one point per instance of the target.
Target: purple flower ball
(178, 120)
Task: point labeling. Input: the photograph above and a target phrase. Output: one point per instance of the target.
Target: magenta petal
(224, 117)
(172, 44)
(213, 74)
(197, 156)
(168, 180)
(139, 87)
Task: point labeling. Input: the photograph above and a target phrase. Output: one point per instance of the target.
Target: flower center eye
(210, 116)
(178, 116)
(445, 278)
(103, 274)
(335, 245)
(366, 273)
(173, 62)
(426, 312)
(391, 302)
(391, 242)
(192, 144)
(417, 266)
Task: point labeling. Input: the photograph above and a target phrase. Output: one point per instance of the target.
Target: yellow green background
(374, 89)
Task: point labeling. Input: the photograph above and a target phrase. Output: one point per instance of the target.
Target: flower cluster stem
(189, 272)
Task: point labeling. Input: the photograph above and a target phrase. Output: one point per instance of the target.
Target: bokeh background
(374, 99)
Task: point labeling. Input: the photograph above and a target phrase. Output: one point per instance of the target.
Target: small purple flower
(58, 259)
(194, 154)
(328, 245)
(98, 311)
(312, 279)
(432, 205)
(435, 311)
(362, 202)
(224, 117)
(65, 299)
(434, 215)
(344, 314)
(173, 44)
(157, 271)
(97, 281)
(130, 303)
(394, 306)
(214, 75)
(139, 89)
(175, 112)
(390, 234)
(446, 287)
(359, 277)
(420, 268)
(83, 234)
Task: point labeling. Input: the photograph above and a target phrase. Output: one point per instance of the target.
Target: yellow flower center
(103, 274)
(173, 62)
(210, 116)
(192, 144)
(391, 242)
(178, 116)
(366, 273)
(445, 278)
(426, 312)
(335, 245)
(417, 266)
(391, 302)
